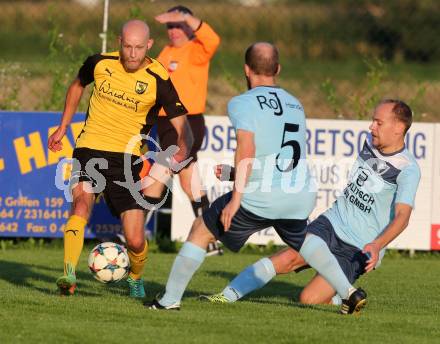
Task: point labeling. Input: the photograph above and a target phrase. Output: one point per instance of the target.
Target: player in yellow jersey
(192, 44)
(129, 90)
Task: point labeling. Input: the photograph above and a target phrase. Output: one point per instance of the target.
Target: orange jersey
(189, 66)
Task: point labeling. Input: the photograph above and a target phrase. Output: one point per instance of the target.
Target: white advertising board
(435, 223)
(332, 147)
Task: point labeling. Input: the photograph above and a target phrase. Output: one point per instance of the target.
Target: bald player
(129, 89)
(272, 185)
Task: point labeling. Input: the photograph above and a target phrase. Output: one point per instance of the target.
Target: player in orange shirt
(192, 44)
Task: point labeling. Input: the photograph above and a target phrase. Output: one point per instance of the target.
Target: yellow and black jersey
(122, 104)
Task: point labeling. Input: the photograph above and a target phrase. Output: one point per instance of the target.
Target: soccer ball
(109, 262)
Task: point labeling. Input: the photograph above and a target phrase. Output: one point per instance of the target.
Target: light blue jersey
(377, 182)
(280, 185)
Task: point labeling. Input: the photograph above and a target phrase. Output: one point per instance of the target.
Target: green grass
(404, 298)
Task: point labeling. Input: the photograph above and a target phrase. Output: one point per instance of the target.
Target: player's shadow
(32, 276)
(153, 290)
(29, 275)
(274, 289)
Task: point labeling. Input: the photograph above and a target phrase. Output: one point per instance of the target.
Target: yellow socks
(137, 262)
(73, 240)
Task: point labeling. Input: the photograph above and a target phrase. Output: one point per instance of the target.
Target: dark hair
(180, 8)
(262, 62)
(401, 110)
(184, 26)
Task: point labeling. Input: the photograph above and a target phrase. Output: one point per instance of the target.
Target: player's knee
(285, 268)
(81, 207)
(198, 226)
(308, 298)
(281, 266)
(291, 264)
(135, 244)
(287, 261)
(200, 232)
(305, 298)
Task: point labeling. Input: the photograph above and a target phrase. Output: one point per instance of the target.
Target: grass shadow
(275, 289)
(23, 275)
(272, 289)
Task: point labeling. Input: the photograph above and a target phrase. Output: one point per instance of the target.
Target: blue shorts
(350, 258)
(244, 224)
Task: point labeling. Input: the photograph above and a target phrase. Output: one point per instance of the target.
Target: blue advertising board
(31, 205)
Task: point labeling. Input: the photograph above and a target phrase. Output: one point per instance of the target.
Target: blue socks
(187, 262)
(316, 252)
(250, 279)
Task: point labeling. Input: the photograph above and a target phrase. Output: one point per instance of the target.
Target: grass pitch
(403, 305)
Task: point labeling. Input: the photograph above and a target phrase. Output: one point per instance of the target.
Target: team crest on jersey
(379, 166)
(362, 176)
(140, 87)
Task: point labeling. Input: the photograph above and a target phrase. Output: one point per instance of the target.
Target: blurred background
(338, 56)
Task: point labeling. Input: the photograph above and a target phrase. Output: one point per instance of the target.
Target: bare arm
(176, 16)
(224, 172)
(207, 39)
(244, 156)
(73, 98)
(185, 138)
(397, 226)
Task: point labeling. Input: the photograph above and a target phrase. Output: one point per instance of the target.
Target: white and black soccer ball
(109, 262)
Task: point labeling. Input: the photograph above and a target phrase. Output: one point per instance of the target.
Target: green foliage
(365, 100)
(360, 101)
(328, 88)
(334, 29)
(417, 102)
(405, 27)
(135, 10)
(29, 244)
(166, 245)
(9, 99)
(5, 244)
(405, 254)
(62, 74)
(321, 43)
(11, 76)
(268, 249)
(230, 78)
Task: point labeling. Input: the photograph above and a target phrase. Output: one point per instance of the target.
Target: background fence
(339, 56)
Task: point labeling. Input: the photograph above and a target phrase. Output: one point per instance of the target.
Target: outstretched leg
(187, 262)
(258, 275)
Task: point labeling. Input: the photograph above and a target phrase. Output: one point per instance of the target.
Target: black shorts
(244, 224)
(350, 258)
(117, 197)
(168, 135)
